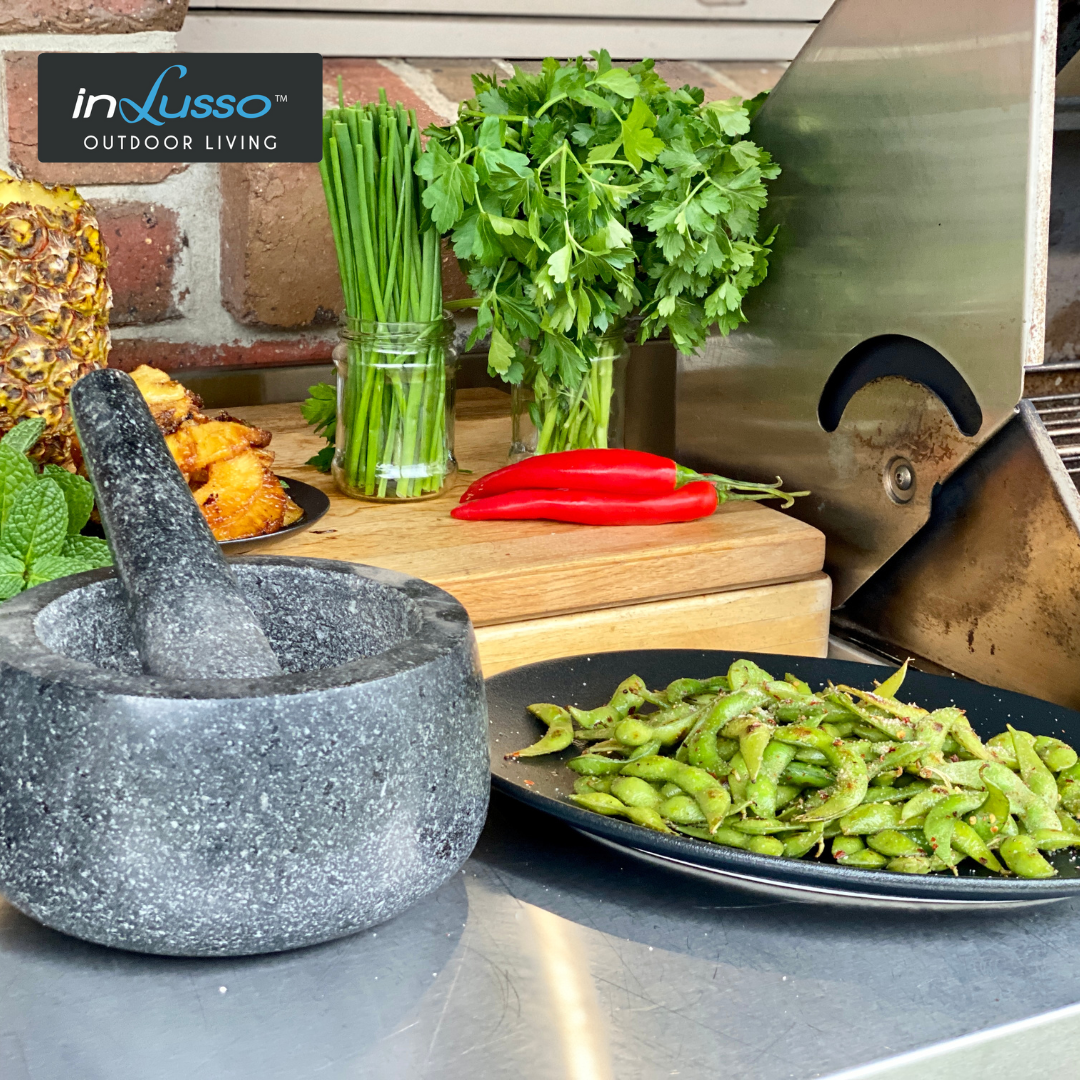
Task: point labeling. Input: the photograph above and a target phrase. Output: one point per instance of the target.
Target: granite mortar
(220, 817)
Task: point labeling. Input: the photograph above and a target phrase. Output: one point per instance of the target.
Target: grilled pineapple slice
(170, 403)
(242, 497)
(197, 446)
(223, 461)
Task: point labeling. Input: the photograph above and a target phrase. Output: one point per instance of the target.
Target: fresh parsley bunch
(41, 517)
(588, 192)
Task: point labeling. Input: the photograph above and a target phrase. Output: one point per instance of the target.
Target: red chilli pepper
(695, 500)
(625, 473)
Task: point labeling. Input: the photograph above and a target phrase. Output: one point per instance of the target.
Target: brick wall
(229, 266)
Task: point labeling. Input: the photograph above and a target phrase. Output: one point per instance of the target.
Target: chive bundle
(392, 427)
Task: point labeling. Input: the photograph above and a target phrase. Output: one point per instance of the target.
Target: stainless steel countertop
(549, 958)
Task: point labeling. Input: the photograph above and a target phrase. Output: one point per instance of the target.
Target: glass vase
(548, 417)
(395, 409)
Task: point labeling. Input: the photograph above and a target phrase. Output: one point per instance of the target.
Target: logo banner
(179, 107)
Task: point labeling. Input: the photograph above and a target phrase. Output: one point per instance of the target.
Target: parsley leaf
(587, 191)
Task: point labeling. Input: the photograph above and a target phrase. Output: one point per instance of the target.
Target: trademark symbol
(281, 97)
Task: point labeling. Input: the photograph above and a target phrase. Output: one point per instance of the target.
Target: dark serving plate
(310, 499)
(588, 681)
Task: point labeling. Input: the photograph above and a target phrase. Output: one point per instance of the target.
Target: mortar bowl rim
(442, 624)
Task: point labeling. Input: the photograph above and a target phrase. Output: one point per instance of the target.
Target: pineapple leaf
(16, 474)
(12, 579)
(78, 494)
(24, 434)
(89, 549)
(51, 567)
(37, 522)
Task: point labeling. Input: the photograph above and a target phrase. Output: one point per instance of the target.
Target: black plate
(310, 499)
(588, 681)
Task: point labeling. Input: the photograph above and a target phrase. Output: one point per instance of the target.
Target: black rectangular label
(179, 107)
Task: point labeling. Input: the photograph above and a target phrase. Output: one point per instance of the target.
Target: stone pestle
(188, 616)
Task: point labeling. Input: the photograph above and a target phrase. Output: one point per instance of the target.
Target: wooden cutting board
(747, 577)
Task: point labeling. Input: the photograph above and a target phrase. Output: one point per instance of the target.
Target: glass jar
(548, 417)
(395, 409)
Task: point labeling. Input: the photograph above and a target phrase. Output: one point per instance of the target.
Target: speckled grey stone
(233, 816)
(188, 617)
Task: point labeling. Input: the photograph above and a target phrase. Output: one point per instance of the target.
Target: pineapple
(224, 461)
(242, 497)
(54, 308)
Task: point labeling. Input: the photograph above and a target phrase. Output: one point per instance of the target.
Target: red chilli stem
(728, 490)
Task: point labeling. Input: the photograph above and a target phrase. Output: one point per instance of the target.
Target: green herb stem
(392, 428)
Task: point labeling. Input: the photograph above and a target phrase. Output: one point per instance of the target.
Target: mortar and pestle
(211, 758)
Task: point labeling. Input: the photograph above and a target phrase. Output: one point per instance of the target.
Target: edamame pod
(866, 859)
(991, 819)
(710, 794)
(843, 846)
(1021, 855)
(805, 774)
(800, 686)
(722, 836)
(894, 843)
(1033, 771)
(1048, 840)
(967, 840)
(595, 765)
(765, 845)
(940, 822)
(1069, 788)
(802, 843)
(585, 784)
(635, 792)
(1055, 754)
(746, 673)
(763, 791)
(681, 809)
(590, 718)
(560, 731)
(701, 744)
(891, 686)
(609, 806)
(870, 818)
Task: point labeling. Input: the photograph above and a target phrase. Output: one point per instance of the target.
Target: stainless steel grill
(906, 296)
(1060, 414)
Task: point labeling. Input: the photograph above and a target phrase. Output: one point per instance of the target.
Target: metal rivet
(900, 480)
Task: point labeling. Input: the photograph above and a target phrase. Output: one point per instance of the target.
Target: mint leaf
(37, 523)
(51, 567)
(24, 434)
(78, 494)
(89, 549)
(618, 81)
(16, 473)
(12, 576)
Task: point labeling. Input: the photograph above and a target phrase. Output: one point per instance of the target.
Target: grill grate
(1060, 414)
